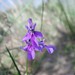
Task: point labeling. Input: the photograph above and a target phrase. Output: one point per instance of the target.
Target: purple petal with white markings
(50, 49)
(31, 55)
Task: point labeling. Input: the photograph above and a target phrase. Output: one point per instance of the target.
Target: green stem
(39, 63)
(42, 15)
(13, 61)
(27, 67)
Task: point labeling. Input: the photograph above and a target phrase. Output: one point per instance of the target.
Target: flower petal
(50, 49)
(41, 44)
(27, 28)
(31, 55)
(30, 23)
(26, 37)
(34, 40)
(38, 34)
(34, 26)
(24, 48)
(30, 20)
(38, 48)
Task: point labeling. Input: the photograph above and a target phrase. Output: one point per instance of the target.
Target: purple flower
(30, 26)
(30, 51)
(30, 36)
(32, 42)
(31, 48)
(49, 48)
(31, 29)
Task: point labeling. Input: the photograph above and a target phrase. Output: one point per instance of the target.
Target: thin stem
(39, 63)
(27, 67)
(42, 15)
(13, 61)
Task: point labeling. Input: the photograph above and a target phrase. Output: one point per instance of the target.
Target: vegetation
(56, 20)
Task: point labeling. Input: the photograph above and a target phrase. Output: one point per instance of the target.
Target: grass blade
(13, 61)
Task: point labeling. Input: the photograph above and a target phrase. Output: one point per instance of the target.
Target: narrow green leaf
(13, 61)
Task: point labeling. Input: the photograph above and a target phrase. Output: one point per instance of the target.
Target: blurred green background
(55, 19)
